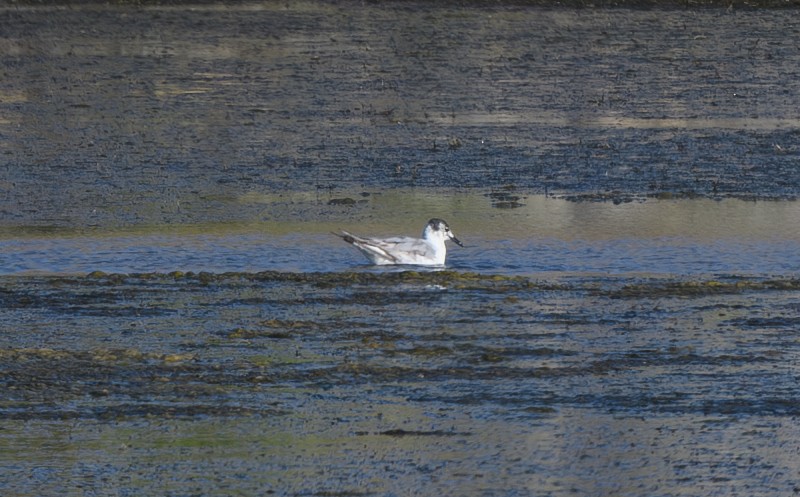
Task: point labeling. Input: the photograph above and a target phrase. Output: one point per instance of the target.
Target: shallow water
(177, 319)
(538, 236)
(345, 383)
(596, 349)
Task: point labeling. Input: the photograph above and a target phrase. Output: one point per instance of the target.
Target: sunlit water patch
(540, 236)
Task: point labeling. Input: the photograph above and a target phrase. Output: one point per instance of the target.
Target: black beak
(458, 242)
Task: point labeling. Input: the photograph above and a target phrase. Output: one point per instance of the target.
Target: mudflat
(120, 115)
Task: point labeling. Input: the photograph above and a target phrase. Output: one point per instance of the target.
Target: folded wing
(395, 250)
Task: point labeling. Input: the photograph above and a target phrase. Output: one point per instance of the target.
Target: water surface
(177, 319)
(538, 236)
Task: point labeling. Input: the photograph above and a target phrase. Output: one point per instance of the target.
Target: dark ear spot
(438, 224)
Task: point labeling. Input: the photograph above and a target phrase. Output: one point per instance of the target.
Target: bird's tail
(345, 236)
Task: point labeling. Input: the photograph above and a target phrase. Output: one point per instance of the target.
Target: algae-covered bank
(177, 319)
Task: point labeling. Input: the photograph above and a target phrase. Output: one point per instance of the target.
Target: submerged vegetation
(460, 280)
(363, 357)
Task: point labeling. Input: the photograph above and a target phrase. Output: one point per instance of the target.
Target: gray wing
(397, 249)
(404, 250)
(370, 247)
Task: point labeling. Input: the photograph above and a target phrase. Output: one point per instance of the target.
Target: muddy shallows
(400, 383)
(121, 115)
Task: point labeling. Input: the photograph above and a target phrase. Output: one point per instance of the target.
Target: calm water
(666, 237)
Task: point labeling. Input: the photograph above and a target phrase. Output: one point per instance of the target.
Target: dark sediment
(124, 115)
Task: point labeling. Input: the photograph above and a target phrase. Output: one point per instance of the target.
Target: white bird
(430, 250)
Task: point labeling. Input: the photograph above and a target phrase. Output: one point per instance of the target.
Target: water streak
(688, 237)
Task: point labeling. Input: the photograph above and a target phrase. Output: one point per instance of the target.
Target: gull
(430, 250)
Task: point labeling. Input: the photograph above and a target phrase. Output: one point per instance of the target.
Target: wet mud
(373, 383)
(119, 116)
